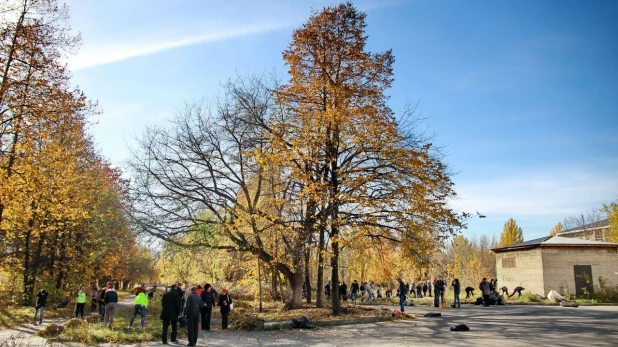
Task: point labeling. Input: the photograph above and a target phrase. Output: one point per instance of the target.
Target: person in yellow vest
(81, 302)
(139, 306)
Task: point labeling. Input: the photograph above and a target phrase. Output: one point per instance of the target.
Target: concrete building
(567, 265)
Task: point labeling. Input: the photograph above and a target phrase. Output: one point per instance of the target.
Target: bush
(51, 330)
(74, 323)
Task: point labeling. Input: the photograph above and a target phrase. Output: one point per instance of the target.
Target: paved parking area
(492, 326)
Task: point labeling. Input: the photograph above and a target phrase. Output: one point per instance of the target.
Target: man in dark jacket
(401, 293)
(225, 303)
(208, 302)
(170, 312)
(343, 291)
(111, 303)
(354, 288)
(484, 288)
(192, 312)
(441, 290)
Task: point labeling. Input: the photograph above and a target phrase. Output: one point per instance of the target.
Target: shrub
(51, 330)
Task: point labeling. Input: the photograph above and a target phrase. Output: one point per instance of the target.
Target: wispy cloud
(91, 56)
(560, 191)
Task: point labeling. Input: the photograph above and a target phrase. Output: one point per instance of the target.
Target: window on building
(508, 263)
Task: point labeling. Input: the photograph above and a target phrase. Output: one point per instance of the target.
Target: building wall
(558, 266)
(593, 234)
(522, 268)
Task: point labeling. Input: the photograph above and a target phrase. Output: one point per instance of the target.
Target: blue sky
(522, 95)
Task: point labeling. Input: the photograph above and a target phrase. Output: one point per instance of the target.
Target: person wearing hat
(225, 306)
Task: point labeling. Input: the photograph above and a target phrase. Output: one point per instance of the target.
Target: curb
(329, 323)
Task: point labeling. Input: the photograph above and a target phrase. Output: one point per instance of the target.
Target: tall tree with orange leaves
(372, 175)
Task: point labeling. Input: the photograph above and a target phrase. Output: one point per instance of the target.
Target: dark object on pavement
(62, 304)
(568, 303)
(494, 299)
(302, 323)
(460, 327)
(433, 314)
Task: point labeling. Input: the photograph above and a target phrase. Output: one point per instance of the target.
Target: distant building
(567, 265)
(597, 231)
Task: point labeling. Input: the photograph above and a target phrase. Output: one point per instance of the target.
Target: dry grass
(12, 316)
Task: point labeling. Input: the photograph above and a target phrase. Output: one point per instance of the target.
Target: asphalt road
(491, 326)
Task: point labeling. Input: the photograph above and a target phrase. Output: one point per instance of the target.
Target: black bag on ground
(460, 327)
(478, 301)
(302, 323)
(433, 314)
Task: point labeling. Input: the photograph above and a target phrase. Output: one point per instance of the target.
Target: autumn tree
(468, 259)
(611, 210)
(511, 233)
(205, 174)
(556, 229)
(367, 174)
(58, 196)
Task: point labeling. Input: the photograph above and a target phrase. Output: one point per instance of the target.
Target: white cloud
(91, 56)
(557, 191)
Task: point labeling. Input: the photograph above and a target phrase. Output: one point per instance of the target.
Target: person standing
(370, 293)
(419, 290)
(94, 289)
(225, 306)
(456, 290)
(101, 300)
(424, 288)
(484, 287)
(354, 288)
(169, 313)
(81, 302)
(436, 294)
(441, 290)
(41, 301)
(343, 291)
(401, 293)
(430, 286)
(111, 304)
(140, 303)
(362, 290)
(208, 301)
(327, 290)
(192, 312)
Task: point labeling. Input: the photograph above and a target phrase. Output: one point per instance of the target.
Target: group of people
(177, 307)
(439, 286)
(198, 307)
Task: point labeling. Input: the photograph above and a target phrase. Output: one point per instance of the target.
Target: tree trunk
(321, 251)
(296, 284)
(335, 278)
(307, 277)
(274, 281)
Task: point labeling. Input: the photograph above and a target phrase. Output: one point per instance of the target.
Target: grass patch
(12, 316)
(92, 331)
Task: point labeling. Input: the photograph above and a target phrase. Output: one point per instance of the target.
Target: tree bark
(307, 277)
